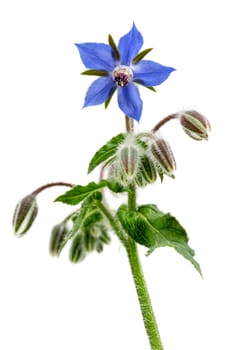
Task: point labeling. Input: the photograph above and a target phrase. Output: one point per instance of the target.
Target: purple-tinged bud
(125, 165)
(24, 215)
(58, 235)
(129, 160)
(164, 157)
(147, 170)
(195, 125)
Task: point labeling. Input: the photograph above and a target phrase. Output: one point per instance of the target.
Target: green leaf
(106, 151)
(141, 55)
(114, 47)
(99, 73)
(115, 186)
(136, 227)
(152, 228)
(169, 233)
(79, 193)
(78, 220)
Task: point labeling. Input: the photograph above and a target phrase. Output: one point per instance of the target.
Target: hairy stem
(164, 121)
(137, 272)
(129, 124)
(143, 296)
(52, 184)
(114, 223)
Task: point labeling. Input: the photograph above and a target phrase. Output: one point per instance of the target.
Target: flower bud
(58, 234)
(164, 157)
(89, 240)
(77, 252)
(104, 236)
(129, 160)
(124, 167)
(147, 170)
(24, 215)
(195, 125)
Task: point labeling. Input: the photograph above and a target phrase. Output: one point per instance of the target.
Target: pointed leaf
(169, 233)
(106, 151)
(79, 193)
(136, 227)
(141, 55)
(152, 228)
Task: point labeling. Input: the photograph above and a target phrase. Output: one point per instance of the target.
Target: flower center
(122, 75)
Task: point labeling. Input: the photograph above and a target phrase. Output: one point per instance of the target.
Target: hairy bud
(195, 125)
(24, 215)
(77, 252)
(58, 234)
(147, 170)
(125, 165)
(164, 157)
(128, 160)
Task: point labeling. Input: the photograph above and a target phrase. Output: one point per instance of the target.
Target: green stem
(137, 272)
(136, 269)
(143, 296)
(113, 222)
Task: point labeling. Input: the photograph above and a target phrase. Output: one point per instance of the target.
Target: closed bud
(99, 247)
(104, 236)
(77, 252)
(58, 235)
(129, 160)
(195, 125)
(89, 241)
(24, 215)
(164, 157)
(147, 170)
(124, 166)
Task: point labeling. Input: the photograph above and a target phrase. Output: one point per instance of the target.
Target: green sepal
(99, 73)
(150, 88)
(114, 47)
(147, 87)
(152, 228)
(106, 151)
(107, 102)
(141, 55)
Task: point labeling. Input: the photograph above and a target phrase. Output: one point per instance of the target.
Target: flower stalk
(51, 184)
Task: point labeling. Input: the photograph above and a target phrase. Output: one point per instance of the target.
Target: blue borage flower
(119, 68)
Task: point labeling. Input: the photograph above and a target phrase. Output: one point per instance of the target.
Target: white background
(48, 303)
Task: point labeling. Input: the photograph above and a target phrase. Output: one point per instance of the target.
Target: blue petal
(129, 101)
(129, 45)
(99, 91)
(97, 56)
(150, 73)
